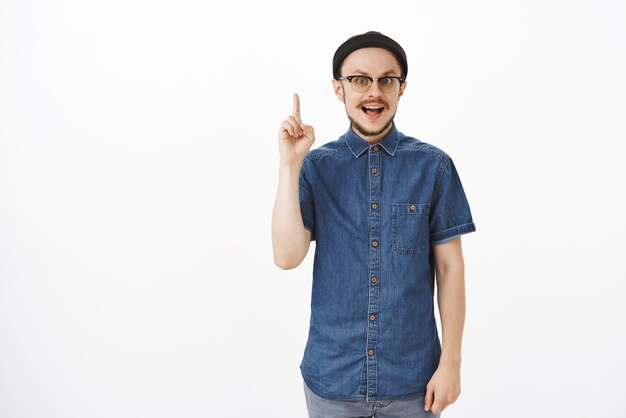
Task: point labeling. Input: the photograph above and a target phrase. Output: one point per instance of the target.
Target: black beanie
(365, 40)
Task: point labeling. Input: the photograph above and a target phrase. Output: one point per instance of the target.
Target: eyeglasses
(362, 83)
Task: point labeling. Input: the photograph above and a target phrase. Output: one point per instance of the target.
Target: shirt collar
(358, 145)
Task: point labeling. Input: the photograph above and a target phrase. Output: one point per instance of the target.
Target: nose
(375, 89)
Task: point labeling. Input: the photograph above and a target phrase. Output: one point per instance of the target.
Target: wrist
(452, 360)
(291, 165)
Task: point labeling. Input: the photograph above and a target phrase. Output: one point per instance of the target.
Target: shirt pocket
(410, 227)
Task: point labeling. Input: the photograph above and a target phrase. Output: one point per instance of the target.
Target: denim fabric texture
(375, 211)
(318, 407)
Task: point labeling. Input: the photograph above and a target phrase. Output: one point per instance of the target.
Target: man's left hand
(444, 388)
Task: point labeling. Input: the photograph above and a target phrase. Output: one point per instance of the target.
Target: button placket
(374, 159)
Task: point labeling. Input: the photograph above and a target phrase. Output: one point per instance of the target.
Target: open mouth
(372, 112)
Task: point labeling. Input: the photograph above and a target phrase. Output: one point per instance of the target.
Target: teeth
(372, 108)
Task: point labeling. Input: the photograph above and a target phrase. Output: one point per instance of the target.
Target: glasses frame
(371, 79)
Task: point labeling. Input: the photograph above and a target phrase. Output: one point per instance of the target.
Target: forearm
(288, 238)
(451, 300)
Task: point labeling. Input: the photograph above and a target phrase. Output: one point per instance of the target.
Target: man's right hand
(294, 137)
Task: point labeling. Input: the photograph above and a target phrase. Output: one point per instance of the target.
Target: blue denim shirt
(375, 211)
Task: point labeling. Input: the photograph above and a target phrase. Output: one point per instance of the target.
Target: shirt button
(376, 148)
(375, 243)
(412, 207)
(374, 279)
(372, 317)
(374, 170)
(370, 352)
(374, 205)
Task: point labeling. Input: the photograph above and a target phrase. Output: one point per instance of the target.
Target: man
(387, 212)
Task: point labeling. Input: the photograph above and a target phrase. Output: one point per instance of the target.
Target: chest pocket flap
(410, 227)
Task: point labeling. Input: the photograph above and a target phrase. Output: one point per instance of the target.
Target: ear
(338, 88)
(402, 87)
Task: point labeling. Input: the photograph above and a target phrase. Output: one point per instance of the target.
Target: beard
(359, 128)
(363, 131)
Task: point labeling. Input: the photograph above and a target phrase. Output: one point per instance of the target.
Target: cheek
(393, 103)
(350, 102)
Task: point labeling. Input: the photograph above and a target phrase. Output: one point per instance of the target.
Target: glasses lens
(388, 84)
(360, 84)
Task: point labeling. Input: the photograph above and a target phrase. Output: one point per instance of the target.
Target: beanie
(365, 40)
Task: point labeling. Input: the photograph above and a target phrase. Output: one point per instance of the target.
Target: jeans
(323, 408)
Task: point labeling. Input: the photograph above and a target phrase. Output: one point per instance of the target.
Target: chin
(367, 128)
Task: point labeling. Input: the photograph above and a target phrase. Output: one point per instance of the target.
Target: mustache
(379, 101)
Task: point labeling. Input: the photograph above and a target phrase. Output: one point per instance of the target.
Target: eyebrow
(366, 73)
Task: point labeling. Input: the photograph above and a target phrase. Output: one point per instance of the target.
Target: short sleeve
(307, 207)
(450, 214)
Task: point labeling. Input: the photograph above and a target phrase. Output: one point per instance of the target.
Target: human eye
(361, 81)
(386, 81)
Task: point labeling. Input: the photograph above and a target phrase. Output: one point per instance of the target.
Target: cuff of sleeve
(446, 235)
(308, 224)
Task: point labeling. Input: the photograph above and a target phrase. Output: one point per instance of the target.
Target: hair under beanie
(365, 40)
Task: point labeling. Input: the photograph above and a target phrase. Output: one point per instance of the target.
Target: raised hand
(294, 137)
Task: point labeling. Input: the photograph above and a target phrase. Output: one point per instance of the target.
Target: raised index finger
(296, 106)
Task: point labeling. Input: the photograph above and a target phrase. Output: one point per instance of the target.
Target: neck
(372, 139)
